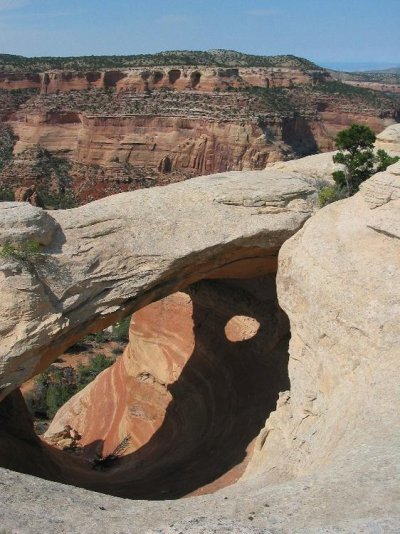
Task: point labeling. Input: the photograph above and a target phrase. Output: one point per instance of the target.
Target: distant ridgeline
(80, 128)
(211, 58)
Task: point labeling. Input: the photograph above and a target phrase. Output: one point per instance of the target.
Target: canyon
(262, 362)
(153, 123)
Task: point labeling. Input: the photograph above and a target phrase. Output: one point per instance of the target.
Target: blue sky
(325, 31)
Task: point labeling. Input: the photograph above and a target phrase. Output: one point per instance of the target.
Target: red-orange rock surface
(194, 386)
(191, 144)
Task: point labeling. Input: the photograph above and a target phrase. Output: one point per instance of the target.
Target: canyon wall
(180, 78)
(179, 144)
(164, 143)
(124, 129)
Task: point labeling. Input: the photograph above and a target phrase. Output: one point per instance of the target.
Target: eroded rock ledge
(111, 257)
(328, 458)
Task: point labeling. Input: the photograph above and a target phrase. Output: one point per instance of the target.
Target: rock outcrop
(200, 145)
(178, 78)
(328, 456)
(200, 375)
(389, 140)
(338, 281)
(104, 260)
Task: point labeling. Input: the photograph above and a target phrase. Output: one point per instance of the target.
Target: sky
(326, 31)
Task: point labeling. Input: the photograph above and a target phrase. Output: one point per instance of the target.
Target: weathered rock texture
(191, 144)
(389, 140)
(338, 281)
(108, 258)
(328, 457)
(200, 375)
(178, 78)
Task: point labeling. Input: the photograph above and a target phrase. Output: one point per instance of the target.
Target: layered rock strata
(178, 78)
(184, 403)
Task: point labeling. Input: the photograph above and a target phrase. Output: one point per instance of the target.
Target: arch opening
(178, 413)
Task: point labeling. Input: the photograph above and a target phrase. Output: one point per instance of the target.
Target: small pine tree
(356, 154)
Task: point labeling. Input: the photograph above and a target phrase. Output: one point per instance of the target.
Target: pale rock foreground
(389, 140)
(328, 458)
(106, 259)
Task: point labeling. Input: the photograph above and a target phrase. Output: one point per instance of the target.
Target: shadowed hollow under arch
(104, 260)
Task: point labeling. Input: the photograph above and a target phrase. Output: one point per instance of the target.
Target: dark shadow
(220, 402)
(174, 75)
(195, 78)
(297, 133)
(112, 77)
(20, 448)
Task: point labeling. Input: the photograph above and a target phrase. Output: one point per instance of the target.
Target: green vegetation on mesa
(360, 162)
(389, 76)
(217, 58)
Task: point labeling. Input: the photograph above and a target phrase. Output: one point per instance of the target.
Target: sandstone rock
(318, 168)
(327, 461)
(188, 396)
(338, 281)
(28, 194)
(108, 258)
(195, 144)
(24, 222)
(389, 140)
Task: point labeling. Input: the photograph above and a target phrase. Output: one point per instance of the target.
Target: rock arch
(109, 258)
(333, 439)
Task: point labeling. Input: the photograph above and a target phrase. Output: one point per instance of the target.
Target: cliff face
(178, 78)
(153, 125)
(163, 143)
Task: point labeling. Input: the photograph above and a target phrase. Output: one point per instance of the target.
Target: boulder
(389, 140)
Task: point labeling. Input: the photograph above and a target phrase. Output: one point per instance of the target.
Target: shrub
(86, 374)
(6, 195)
(121, 330)
(328, 194)
(56, 386)
(7, 142)
(24, 251)
(57, 395)
(356, 154)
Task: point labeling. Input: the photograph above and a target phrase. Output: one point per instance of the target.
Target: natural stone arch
(334, 437)
(102, 261)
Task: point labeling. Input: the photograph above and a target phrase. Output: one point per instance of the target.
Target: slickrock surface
(328, 459)
(389, 140)
(108, 258)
